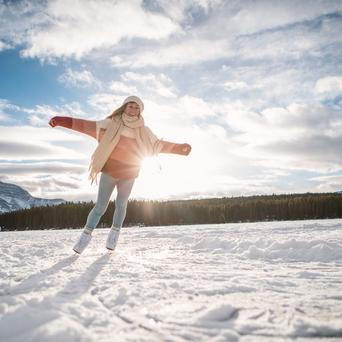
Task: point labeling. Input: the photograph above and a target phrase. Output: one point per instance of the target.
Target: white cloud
(18, 150)
(329, 183)
(235, 85)
(4, 117)
(119, 62)
(145, 85)
(5, 108)
(4, 46)
(329, 84)
(79, 79)
(104, 103)
(195, 107)
(159, 84)
(296, 137)
(268, 85)
(41, 168)
(41, 114)
(17, 17)
(181, 10)
(50, 180)
(182, 52)
(211, 29)
(122, 88)
(217, 131)
(255, 16)
(21, 145)
(241, 31)
(305, 41)
(303, 118)
(44, 143)
(90, 24)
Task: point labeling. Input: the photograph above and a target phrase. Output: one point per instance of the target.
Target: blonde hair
(120, 110)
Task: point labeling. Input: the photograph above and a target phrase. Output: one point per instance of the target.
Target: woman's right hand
(64, 121)
(53, 122)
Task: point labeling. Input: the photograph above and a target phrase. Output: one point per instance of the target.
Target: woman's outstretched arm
(163, 146)
(84, 126)
(170, 147)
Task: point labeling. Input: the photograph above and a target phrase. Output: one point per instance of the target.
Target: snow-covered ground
(275, 281)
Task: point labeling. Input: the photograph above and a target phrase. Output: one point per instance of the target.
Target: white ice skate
(112, 238)
(82, 243)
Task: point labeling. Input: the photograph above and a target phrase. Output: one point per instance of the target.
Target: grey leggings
(106, 187)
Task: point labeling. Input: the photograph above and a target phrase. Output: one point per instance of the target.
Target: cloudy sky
(255, 86)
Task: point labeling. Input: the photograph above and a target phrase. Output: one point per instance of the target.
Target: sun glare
(150, 178)
(161, 178)
(150, 167)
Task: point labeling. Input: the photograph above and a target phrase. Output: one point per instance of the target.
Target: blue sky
(254, 86)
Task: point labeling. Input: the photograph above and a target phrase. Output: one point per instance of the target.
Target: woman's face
(132, 109)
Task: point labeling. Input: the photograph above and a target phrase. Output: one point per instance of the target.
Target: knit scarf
(143, 136)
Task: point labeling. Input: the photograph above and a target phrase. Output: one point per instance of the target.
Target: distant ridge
(13, 197)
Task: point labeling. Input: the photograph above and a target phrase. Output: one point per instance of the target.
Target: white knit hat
(136, 100)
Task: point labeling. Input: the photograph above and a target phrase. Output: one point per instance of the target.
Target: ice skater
(123, 141)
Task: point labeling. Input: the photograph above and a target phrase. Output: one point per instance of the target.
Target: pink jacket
(125, 159)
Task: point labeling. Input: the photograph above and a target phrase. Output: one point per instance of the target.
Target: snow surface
(273, 281)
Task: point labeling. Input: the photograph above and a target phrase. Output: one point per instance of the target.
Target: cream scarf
(147, 141)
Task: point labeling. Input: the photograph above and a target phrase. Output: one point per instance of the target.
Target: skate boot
(112, 238)
(82, 243)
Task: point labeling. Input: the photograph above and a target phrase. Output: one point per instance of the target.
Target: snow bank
(221, 313)
(41, 324)
(304, 327)
(295, 250)
(270, 249)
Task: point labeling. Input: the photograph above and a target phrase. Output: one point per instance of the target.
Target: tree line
(176, 212)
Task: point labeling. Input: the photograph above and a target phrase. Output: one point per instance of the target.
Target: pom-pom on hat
(135, 99)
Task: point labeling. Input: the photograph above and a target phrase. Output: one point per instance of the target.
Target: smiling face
(132, 109)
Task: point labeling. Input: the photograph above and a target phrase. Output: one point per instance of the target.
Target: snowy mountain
(13, 197)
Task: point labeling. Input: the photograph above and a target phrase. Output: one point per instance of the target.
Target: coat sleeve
(92, 128)
(162, 146)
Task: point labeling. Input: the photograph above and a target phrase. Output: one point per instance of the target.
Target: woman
(124, 141)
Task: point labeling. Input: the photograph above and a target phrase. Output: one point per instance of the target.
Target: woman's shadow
(77, 286)
(34, 280)
(73, 287)
(50, 307)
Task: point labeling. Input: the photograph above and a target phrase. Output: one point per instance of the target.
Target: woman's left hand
(184, 149)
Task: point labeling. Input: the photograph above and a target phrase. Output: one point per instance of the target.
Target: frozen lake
(272, 281)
